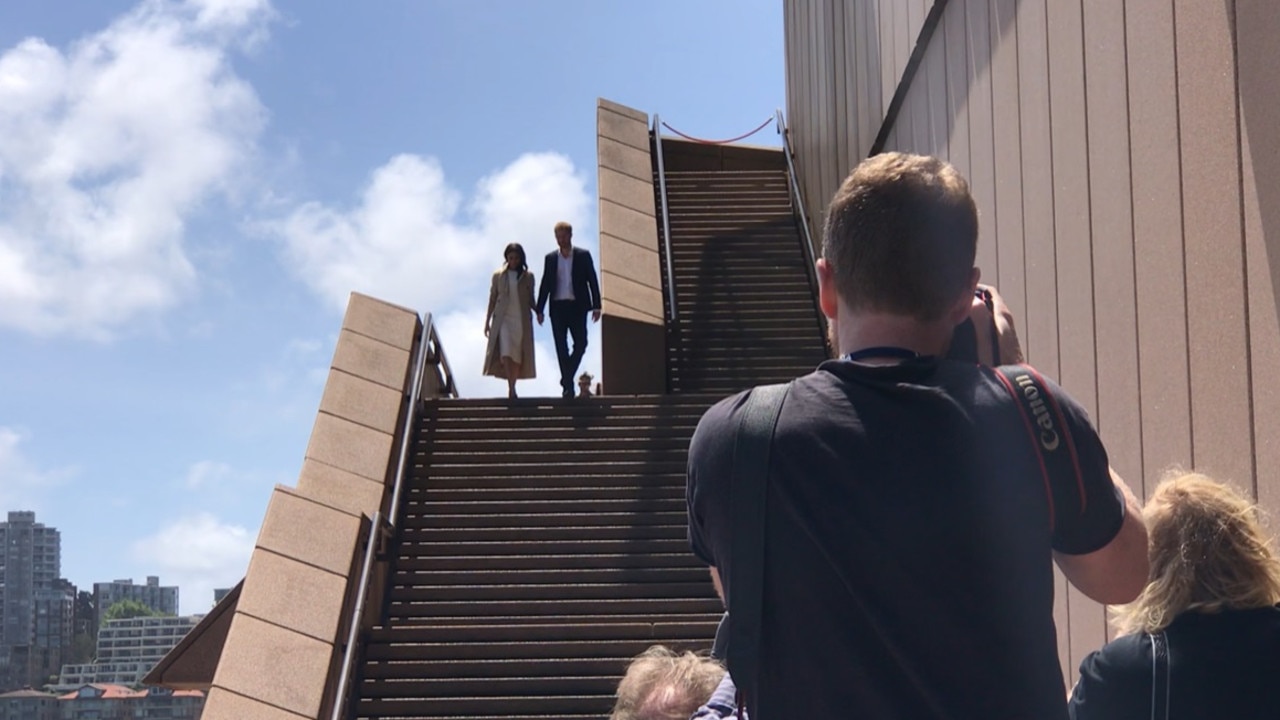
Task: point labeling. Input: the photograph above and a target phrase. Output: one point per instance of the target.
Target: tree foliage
(126, 609)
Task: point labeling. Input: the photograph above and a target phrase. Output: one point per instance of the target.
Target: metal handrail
(362, 592)
(435, 351)
(809, 252)
(420, 362)
(666, 219)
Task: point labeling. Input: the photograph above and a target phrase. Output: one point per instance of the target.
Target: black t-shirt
(908, 567)
(1221, 665)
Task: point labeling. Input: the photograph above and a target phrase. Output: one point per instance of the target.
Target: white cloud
(415, 241)
(23, 485)
(198, 553)
(105, 149)
(206, 474)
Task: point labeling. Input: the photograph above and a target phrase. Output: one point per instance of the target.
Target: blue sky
(189, 191)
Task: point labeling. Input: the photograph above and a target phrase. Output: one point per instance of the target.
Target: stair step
(432, 569)
(591, 629)
(534, 706)
(560, 507)
(666, 491)
(608, 607)
(506, 520)
(547, 541)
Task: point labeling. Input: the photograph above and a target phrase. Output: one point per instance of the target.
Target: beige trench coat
(499, 296)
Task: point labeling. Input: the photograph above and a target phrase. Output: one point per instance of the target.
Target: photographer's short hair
(662, 685)
(562, 225)
(901, 236)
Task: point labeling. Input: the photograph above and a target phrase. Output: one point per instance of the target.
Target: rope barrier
(718, 142)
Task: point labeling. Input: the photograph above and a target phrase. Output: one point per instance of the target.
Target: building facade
(29, 705)
(36, 606)
(162, 599)
(127, 650)
(114, 702)
(1123, 160)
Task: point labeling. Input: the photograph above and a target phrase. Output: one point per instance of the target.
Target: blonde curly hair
(1208, 552)
(663, 685)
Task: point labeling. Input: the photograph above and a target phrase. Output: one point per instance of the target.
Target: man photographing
(910, 527)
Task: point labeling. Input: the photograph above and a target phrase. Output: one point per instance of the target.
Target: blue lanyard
(886, 351)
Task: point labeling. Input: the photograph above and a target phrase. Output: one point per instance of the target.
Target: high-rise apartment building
(35, 604)
(152, 594)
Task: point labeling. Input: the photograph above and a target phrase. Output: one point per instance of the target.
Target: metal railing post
(666, 219)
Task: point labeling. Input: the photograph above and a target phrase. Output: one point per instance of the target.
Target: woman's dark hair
(519, 250)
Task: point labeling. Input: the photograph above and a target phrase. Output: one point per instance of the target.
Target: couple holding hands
(569, 281)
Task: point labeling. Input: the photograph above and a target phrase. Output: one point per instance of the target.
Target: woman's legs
(512, 370)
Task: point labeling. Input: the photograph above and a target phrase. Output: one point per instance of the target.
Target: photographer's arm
(1117, 572)
(715, 580)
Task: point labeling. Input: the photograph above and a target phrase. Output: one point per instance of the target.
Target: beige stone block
(361, 401)
(305, 530)
(222, 704)
(624, 158)
(623, 128)
(623, 222)
(637, 115)
(630, 261)
(340, 489)
(617, 310)
(285, 592)
(644, 301)
(392, 324)
(372, 360)
(274, 665)
(351, 447)
(627, 191)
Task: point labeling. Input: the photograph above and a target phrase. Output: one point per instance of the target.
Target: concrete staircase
(543, 545)
(745, 303)
(542, 542)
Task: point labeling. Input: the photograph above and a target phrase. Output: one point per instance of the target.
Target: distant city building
(161, 599)
(29, 704)
(101, 700)
(127, 650)
(220, 593)
(36, 605)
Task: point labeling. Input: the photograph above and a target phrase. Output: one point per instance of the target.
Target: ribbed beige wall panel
(1126, 163)
(1006, 131)
(935, 128)
(1213, 233)
(1258, 26)
(865, 29)
(1041, 340)
(1111, 221)
(1159, 272)
(888, 65)
(1074, 262)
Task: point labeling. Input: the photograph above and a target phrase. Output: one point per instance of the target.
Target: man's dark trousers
(569, 318)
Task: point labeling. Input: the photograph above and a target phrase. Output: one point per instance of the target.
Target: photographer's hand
(1001, 317)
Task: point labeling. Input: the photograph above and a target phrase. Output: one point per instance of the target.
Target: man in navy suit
(569, 280)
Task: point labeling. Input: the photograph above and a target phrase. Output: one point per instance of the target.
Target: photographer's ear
(828, 299)
(960, 311)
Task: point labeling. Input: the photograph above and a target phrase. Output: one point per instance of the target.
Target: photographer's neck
(858, 331)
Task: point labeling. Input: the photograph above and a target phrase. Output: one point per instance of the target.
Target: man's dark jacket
(586, 287)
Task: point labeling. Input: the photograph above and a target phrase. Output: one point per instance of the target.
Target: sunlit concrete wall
(288, 631)
(633, 326)
(1125, 158)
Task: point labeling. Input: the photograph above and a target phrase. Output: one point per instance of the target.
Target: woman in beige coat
(509, 321)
